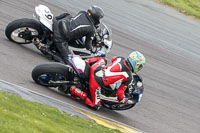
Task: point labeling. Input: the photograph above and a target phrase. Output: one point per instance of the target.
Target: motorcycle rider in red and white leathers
(120, 70)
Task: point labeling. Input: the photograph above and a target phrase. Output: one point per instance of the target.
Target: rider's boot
(77, 92)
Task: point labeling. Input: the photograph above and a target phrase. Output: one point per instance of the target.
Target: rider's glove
(93, 50)
(98, 38)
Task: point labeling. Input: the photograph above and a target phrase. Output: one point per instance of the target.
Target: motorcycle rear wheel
(53, 71)
(21, 31)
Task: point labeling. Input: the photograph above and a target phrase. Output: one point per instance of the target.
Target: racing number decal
(48, 15)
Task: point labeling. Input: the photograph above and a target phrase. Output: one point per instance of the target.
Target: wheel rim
(113, 106)
(15, 35)
(45, 78)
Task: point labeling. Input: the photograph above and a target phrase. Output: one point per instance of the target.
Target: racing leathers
(66, 28)
(119, 71)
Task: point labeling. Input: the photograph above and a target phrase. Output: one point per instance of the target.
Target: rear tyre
(43, 73)
(21, 31)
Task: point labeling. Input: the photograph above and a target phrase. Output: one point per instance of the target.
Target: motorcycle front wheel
(113, 106)
(22, 31)
(52, 71)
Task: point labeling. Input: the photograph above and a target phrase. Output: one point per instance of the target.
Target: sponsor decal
(98, 95)
(104, 75)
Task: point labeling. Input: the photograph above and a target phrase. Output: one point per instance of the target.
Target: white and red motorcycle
(40, 33)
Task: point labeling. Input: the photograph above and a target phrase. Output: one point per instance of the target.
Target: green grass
(20, 116)
(188, 7)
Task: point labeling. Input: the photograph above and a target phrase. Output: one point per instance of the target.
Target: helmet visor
(140, 67)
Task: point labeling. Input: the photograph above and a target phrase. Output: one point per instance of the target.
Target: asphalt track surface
(168, 39)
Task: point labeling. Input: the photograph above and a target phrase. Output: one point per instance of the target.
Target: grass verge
(20, 116)
(188, 7)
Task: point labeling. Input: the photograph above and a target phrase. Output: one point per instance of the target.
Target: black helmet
(96, 14)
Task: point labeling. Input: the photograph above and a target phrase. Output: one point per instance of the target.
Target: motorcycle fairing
(44, 15)
(78, 64)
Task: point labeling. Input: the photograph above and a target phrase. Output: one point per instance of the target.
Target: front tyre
(53, 71)
(23, 30)
(113, 106)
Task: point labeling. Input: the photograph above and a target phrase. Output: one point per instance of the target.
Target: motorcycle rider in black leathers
(67, 27)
